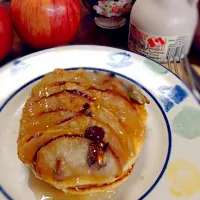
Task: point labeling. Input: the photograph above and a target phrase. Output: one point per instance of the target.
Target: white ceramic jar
(157, 26)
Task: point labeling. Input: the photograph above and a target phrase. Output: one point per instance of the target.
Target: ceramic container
(110, 14)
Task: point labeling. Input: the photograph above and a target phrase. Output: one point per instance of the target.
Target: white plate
(169, 165)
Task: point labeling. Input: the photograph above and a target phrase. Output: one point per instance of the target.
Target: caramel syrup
(44, 191)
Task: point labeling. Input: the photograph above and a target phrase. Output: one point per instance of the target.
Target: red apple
(6, 33)
(46, 23)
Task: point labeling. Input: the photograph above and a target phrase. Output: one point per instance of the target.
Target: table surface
(89, 33)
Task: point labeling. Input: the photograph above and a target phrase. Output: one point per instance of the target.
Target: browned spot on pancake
(52, 110)
(58, 83)
(76, 92)
(58, 173)
(68, 119)
(86, 110)
(97, 89)
(86, 106)
(136, 102)
(34, 136)
(112, 92)
(89, 114)
(61, 83)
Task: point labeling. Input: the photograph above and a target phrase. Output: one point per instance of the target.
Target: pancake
(82, 131)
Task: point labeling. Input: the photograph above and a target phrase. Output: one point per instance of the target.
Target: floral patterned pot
(109, 14)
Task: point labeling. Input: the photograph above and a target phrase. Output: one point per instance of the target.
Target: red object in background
(197, 34)
(45, 24)
(6, 33)
(115, 9)
(152, 41)
(162, 42)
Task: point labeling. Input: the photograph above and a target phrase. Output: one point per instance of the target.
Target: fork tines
(176, 55)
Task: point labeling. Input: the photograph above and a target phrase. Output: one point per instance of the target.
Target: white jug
(159, 26)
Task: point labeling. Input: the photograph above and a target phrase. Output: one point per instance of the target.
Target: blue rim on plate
(104, 46)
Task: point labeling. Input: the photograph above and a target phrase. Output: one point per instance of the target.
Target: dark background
(90, 33)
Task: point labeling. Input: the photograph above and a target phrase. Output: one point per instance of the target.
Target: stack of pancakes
(82, 131)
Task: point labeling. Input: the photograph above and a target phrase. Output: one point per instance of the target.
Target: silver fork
(176, 55)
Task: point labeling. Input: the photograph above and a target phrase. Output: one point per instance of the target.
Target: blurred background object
(195, 50)
(157, 27)
(90, 33)
(6, 32)
(45, 24)
(109, 14)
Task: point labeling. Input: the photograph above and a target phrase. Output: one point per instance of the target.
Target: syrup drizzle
(44, 191)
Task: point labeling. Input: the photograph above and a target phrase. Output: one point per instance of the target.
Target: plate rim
(98, 47)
